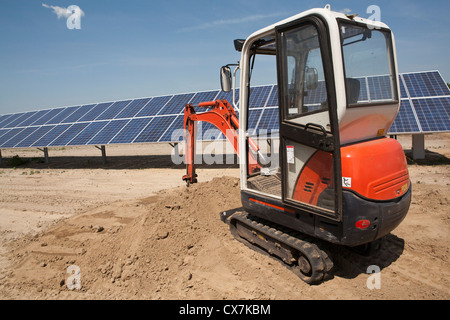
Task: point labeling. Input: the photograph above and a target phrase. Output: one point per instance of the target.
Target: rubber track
(319, 258)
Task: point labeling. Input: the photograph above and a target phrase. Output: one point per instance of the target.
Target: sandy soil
(134, 231)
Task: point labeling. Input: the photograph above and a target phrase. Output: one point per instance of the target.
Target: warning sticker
(346, 182)
(290, 154)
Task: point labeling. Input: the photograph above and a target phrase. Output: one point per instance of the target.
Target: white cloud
(346, 11)
(62, 12)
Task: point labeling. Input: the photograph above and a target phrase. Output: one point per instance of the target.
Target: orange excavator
(329, 174)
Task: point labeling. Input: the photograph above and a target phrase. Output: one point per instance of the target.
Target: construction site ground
(134, 231)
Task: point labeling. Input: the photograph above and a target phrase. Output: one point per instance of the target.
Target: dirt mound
(143, 248)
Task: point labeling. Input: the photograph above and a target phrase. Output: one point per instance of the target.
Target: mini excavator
(326, 172)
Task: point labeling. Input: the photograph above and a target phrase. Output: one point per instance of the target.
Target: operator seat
(353, 86)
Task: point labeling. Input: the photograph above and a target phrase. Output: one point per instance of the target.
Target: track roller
(299, 253)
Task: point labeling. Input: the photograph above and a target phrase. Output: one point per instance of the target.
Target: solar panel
(19, 137)
(154, 106)
(425, 100)
(65, 137)
(133, 108)
(176, 104)
(48, 117)
(18, 121)
(3, 131)
(80, 112)
(253, 119)
(433, 114)
(380, 88)
(9, 135)
(108, 132)
(113, 110)
(405, 122)
(51, 135)
(10, 119)
(258, 96)
(62, 115)
(203, 97)
(131, 130)
(155, 130)
(269, 120)
(31, 139)
(88, 133)
(175, 132)
(34, 118)
(425, 84)
(272, 101)
(95, 112)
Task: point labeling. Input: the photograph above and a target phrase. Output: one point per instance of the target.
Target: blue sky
(143, 48)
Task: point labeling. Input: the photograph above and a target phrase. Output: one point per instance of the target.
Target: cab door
(309, 134)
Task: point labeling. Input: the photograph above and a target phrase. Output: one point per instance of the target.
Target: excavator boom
(221, 115)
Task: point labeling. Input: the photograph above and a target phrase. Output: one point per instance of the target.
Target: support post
(175, 149)
(103, 150)
(418, 146)
(0, 156)
(45, 151)
(46, 155)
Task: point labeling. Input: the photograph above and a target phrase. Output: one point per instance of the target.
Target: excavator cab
(326, 172)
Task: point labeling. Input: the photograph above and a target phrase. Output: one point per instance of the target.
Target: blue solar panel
(425, 84)
(51, 135)
(403, 93)
(3, 131)
(12, 118)
(31, 139)
(405, 122)
(94, 112)
(380, 88)
(175, 132)
(131, 130)
(176, 104)
(48, 116)
(113, 110)
(85, 135)
(269, 120)
(68, 134)
(9, 135)
(155, 129)
(433, 114)
(108, 132)
(272, 101)
(258, 96)
(133, 108)
(18, 121)
(253, 119)
(229, 96)
(203, 97)
(18, 137)
(80, 112)
(34, 117)
(4, 117)
(154, 106)
(62, 115)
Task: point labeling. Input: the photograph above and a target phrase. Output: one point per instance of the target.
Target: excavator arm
(223, 116)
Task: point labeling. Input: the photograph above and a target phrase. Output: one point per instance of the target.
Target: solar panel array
(425, 107)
